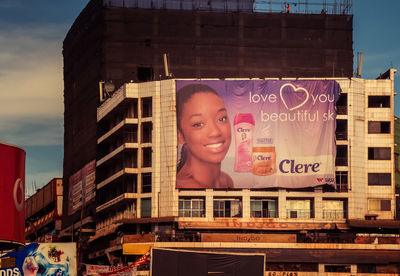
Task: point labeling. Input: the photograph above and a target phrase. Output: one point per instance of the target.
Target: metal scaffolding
(264, 6)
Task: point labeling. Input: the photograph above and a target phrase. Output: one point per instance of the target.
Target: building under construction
(124, 41)
(122, 152)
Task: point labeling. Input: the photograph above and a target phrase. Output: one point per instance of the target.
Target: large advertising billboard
(46, 259)
(82, 187)
(256, 133)
(12, 193)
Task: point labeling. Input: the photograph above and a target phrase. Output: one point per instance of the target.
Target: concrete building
(120, 162)
(350, 229)
(120, 41)
(43, 213)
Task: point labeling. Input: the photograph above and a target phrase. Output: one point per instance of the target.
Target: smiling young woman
(204, 132)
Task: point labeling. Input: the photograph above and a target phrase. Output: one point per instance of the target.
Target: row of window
(374, 127)
(128, 184)
(268, 207)
(262, 208)
(373, 102)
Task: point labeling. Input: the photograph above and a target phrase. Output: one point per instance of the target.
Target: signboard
(260, 225)
(249, 238)
(43, 259)
(82, 187)
(256, 133)
(12, 193)
(173, 262)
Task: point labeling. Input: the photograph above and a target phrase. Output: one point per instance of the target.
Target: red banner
(12, 193)
(142, 260)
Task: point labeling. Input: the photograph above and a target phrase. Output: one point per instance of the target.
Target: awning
(104, 232)
(135, 248)
(148, 220)
(361, 223)
(325, 256)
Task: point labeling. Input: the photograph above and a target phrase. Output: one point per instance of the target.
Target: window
(191, 207)
(146, 107)
(146, 182)
(379, 204)
(227, 208)
(378, 153)
(263, 208)
(146, 157)
(396, 162)
(145, 208)
(145, 74)
(130, 134)
(384, 179)
(300, 208)
(391, 268)
(338, 268)
(378, 101)
(341, 129)
(378, 127)
(341, 104)
(130, 158)
(342, 181)
(334, 208)
(147, 128)
(132, 109)
(310, 267)
(341, 155)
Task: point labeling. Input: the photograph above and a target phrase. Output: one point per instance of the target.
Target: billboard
(12, 193)
(82, 187)
(46, 259)
(172, 262)
(256, 133)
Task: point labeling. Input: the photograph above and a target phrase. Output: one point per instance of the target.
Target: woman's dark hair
(182, 96)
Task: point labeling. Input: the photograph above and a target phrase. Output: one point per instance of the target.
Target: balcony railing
(334, 214)
(298, 213)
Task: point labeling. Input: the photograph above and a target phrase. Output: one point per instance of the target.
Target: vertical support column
(318, 204)
(282, 203)
(246, 203)
(209, 204)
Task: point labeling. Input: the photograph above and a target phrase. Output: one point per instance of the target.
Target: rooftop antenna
(360, 56)
(167, 73)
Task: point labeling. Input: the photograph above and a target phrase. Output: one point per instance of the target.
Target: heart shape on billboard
(295, 90)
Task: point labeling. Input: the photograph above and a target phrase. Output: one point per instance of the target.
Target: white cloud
(31, 86)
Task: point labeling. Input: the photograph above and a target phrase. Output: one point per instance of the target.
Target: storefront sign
(234, 224)
(248, 238)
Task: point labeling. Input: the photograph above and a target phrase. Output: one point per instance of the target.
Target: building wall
(43, 212)
(165, 197)
(123, 44)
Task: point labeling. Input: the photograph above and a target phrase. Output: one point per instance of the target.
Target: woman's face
(205, 127)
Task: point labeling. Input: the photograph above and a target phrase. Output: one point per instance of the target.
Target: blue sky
(31, 81)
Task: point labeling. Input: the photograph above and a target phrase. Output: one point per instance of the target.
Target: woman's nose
(214, 129)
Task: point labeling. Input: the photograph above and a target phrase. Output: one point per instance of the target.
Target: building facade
(43, 213)
(119, 42)
(349, 229)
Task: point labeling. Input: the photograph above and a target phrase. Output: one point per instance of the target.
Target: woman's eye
(198, 124)
(223, 118)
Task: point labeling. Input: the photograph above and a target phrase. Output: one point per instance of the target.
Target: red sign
(12, 193)
(142, 260)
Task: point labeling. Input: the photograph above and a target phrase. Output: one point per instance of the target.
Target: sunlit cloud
(31, 87)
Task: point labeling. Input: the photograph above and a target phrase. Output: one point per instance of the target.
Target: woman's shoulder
(184, 181)
(226, 181)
